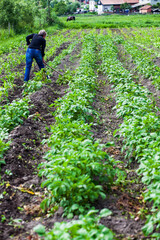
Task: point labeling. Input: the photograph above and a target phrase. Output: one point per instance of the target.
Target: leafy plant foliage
(141, 127)
(87, 227)
(75, 162)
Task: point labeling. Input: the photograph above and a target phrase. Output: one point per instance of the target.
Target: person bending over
(35, 51)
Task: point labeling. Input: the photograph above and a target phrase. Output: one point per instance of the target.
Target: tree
(67, 7)
(49, 19)
(43, 3)
(156, 5)
(16, 14)
(53, 2)
(125, 5)
(72, 7)
(60, 8)
(7, 15)
(22, 15)
(112, 8)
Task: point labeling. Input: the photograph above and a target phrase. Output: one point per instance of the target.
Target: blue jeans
(30, 54)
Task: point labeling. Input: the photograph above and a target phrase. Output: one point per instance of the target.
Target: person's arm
(28, 38)
(43, 48)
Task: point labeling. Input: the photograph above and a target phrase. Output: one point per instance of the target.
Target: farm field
(112, 21)
(80, 151)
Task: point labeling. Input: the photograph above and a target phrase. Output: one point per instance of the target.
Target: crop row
(145, 38)
(12, 114)
(72, 144)
(76, 164)
(87, 227)
(141, 127)
(143, 62)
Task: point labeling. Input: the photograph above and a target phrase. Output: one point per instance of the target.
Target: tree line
(24, 15)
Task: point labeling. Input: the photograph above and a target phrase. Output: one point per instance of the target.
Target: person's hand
(43, 60)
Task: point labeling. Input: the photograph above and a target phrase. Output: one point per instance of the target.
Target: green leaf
(74, 207)
(148, 228)
(103, 195)
(109, 144)
(70, 215)
(92, 212)
(105, 212)
(40, 229)
(2, 162)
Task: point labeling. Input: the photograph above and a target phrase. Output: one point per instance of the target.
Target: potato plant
(11, 115)
(141, 128)
(143, 61)
(76, 164)
(87, 227)
(147, 39)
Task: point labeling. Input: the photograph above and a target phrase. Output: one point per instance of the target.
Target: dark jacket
(38, 42)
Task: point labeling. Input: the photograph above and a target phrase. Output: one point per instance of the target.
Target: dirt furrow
(123, 200)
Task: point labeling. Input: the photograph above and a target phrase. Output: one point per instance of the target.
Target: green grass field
(112, 21)
(84, 21)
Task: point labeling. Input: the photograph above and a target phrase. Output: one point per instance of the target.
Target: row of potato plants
(140, 129)
(145, 38)
(143, 62)
(76, 164)
(87, 227)
(9, 117)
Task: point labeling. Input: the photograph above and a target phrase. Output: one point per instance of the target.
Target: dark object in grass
(71, 18)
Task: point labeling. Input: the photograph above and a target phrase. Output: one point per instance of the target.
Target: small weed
(20, 209)
(3, 218)
(8, 172)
